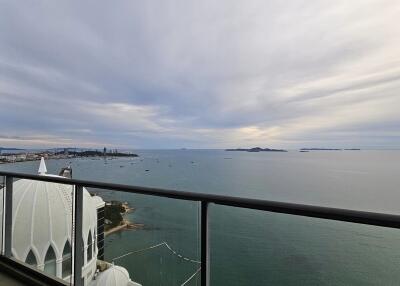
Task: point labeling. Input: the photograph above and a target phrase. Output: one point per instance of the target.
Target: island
(10, 149)
(114, 217)
(328, 149)
(320, 149)
(256, 149)
(96, 153)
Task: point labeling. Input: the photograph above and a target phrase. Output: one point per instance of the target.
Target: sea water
(252, 247)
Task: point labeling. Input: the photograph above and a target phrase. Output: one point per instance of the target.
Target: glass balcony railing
(2, 204)
(279, 249)
(155, 239)
(74, 232)
(38, 226)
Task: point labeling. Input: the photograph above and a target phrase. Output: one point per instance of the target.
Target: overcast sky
(200, 74)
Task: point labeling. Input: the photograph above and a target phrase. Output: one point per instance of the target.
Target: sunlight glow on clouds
(207, 74)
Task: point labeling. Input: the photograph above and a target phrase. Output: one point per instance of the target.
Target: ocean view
(251, 247)
(200, 143)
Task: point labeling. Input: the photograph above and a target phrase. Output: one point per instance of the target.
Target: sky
(200, 74)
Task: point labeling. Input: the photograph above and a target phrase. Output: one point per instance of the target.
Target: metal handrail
(361, 217)
(337, 214)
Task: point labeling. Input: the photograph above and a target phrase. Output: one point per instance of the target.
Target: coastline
(36, 156)
(117, 228)
(125, 223)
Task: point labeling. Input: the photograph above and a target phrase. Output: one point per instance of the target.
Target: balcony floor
(7, 280)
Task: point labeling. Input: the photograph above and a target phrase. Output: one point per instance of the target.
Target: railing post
(78, 242)
(8, 217)
(205, 250)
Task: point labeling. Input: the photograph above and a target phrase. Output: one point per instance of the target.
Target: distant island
(256, 149)
(96, 153)
(328, 149)
(114, 221)
(10, 149)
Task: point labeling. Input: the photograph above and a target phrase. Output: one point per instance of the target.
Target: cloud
(207, 75)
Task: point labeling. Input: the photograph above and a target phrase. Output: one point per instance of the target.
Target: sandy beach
(117, 228)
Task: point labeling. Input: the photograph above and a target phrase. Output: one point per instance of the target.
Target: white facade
(42, 228)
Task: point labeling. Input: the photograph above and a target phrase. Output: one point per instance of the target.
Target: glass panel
(84, 253)
(251, 247)
(2, 197)
(50, 262)
(66, 260)
(89, 224)
(42, 222)
(157, 240)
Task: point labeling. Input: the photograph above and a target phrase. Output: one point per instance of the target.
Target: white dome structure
(114, 276)
(42, 216)
(44, 210)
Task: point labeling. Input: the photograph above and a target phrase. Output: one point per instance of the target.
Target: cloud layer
(201, 74)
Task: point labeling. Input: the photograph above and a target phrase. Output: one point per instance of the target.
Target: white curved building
(42, 228)
(115, 276)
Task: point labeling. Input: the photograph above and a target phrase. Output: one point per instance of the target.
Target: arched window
(50, 262)
(90, 247)
(66, 260)
(31, 258)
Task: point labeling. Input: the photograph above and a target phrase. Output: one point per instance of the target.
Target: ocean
(252, 247)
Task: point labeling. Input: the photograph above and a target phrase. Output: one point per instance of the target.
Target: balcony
(6, 279)
(54, 232)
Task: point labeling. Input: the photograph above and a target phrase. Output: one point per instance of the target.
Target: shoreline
(125, 223)
(28, 157)
(115, 229)
(65, 158)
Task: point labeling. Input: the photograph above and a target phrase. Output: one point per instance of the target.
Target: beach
(125, 223)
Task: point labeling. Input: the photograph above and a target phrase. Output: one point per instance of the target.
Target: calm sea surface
(253, 247)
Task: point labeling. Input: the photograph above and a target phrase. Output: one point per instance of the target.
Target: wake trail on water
(164, 243)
